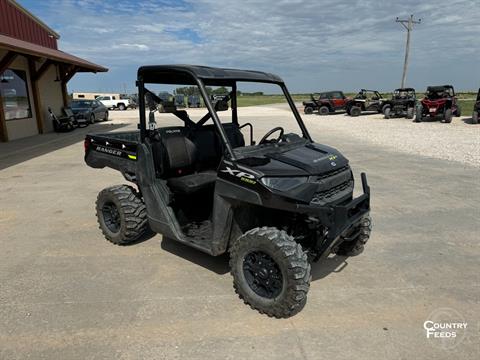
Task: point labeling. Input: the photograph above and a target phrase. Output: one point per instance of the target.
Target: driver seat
(179, 163)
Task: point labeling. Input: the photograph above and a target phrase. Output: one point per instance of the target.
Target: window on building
(14, 91)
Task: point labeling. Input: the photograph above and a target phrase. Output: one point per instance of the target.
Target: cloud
(313, 44)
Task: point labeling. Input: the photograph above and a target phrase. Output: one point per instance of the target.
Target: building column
(4, 64)
(35, 95)
(3, 124)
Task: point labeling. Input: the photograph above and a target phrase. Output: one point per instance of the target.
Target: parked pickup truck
(114, 102)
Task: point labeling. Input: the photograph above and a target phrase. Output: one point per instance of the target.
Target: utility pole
(407, 24)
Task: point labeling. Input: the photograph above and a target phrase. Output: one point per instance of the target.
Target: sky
(312, 45)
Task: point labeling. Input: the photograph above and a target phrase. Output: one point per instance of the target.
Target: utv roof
(187, 75)
(439, 87)
(405, 89)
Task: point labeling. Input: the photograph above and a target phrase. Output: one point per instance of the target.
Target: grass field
(466, 100)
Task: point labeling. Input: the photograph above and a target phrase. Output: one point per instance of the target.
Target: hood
(307, 160)
(80, 110)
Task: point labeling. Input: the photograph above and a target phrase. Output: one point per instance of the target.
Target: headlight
(283, 183)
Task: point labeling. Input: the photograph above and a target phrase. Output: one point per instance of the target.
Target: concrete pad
(66, 293)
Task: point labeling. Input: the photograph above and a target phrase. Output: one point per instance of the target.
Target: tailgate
(115, 150)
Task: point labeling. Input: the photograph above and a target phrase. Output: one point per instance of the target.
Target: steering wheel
(265, 137)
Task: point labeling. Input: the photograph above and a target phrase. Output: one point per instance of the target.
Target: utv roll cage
(203, 76)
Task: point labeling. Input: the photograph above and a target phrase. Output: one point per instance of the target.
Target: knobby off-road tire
(308, 110)
(475, 117)
(384, 108)
(121, 214)
(355, 111)
(324, 110)
(458, 112)
(418, 115)
(356, 247)
(448, 116)
(285, 268)
(386, 113)
(410, 113)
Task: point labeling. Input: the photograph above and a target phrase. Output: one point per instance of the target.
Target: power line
(408, 25)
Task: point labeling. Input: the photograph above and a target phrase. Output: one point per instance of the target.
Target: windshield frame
(211, 108)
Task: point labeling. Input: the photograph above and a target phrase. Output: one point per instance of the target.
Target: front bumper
(340, 220)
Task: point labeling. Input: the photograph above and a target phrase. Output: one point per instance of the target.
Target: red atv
(440, 103)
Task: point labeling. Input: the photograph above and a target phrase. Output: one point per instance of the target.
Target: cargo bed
(117, 150)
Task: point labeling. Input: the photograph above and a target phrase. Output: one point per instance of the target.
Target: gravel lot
(66, 293)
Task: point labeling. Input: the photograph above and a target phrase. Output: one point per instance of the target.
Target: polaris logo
(108, 151)
(172, 131)
(238, 173)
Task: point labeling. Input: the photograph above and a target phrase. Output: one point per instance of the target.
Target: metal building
(33, 73)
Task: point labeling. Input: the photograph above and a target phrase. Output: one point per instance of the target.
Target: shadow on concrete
(332, 264)
(18, 151)
(217, 264)
(468, 120)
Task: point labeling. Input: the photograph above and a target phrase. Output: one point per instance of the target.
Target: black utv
(275, 206)
(476, 109)
(402, 104)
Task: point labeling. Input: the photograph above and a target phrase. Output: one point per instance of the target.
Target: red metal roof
(17, 22)
(24, 47)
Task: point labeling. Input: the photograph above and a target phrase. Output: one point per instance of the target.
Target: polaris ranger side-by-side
(275, 206)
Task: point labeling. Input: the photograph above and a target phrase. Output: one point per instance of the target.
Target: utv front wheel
(270, 272)
(355, 111)
(121, 214)
(386, 113)
(475, 117)
(308, 110)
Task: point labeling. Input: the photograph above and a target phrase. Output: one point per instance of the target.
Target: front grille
(317, 178)
(326, 195)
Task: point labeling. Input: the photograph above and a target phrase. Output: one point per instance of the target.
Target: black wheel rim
(111, 217)
(262, 274)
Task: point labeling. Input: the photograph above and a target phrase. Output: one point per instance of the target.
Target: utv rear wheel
(448, 116)
(475, 117)
(121, 214)
(355, 111)
(308, 110)
(419, 115)
(270, 272)
(384, 108)
(386, 113)
(458, 112)
(324, 110)
(410, 112)
(356, 247)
